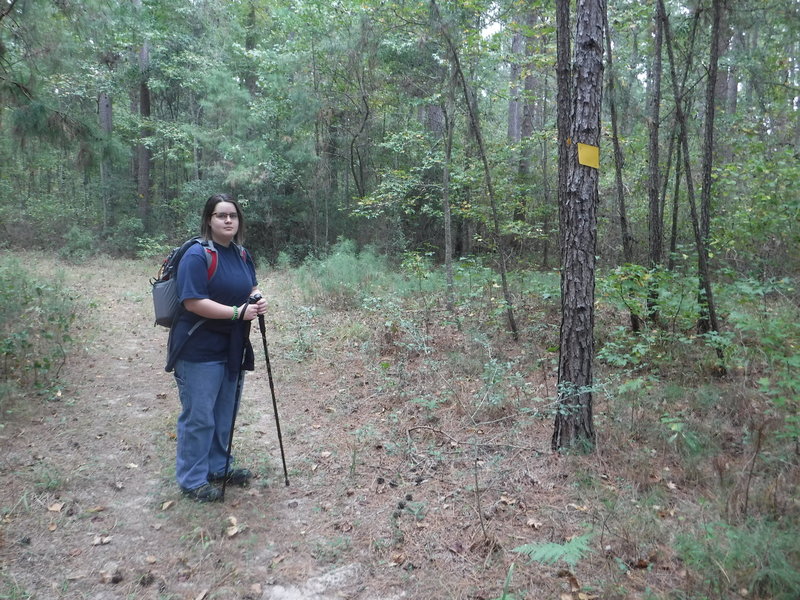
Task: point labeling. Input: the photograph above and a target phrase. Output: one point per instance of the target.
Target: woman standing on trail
(209, 348)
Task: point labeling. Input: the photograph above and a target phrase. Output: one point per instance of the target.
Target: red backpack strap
(211, 257)
(211, 261)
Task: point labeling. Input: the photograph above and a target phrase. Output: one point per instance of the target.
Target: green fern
(550, 553)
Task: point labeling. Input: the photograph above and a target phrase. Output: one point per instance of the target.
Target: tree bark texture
(656, 231)
(574, 423)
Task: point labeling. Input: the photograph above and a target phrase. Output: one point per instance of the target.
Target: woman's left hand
(251, 311)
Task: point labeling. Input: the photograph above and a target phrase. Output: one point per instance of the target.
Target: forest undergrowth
(417, 439)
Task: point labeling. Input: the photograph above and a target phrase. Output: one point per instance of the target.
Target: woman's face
(224, 222)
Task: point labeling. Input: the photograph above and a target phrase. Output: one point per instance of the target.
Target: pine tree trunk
(574, 426)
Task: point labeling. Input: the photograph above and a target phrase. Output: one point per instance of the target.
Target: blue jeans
(209, 402)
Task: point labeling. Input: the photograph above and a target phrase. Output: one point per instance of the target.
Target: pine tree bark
(574, 427)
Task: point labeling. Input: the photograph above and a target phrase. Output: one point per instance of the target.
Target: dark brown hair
(208, 212)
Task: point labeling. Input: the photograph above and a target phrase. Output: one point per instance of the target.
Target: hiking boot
(235, 477)
(204, 493)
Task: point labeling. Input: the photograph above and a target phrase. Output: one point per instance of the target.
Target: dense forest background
(406, 163)
(331, 120)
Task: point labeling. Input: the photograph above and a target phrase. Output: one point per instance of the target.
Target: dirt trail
(381, 504)
(90, 506)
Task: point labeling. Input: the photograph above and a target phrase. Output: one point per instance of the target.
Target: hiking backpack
(165, 284)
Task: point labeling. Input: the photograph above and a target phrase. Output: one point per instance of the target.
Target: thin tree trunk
(702, 256)
(473, 116)
(106, 119)
(563, 102)
(625, 232)
(704, 324)
(143, 153)
(514, 103)
(449, 114)
(655, 224)
(673, 238)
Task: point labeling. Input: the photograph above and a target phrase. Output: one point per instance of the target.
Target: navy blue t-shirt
(232, 283)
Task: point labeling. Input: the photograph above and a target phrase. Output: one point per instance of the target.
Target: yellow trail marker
(589, 155)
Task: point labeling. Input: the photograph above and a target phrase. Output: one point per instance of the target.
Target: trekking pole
(239, 386)
(262, 326)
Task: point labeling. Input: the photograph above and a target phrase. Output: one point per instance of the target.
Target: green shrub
(761, 556)
(123, 237)
(342, 279)
(79, 245)
(35, 321)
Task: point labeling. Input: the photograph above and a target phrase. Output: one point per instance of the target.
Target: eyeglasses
(225, 216)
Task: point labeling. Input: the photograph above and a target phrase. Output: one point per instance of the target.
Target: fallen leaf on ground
(534, 523)
(52, 527)
(573, 581)
(167, 504)
(56, 507)
(234, 527)
(101, 540)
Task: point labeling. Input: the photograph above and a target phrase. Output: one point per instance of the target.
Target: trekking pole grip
(261, 324)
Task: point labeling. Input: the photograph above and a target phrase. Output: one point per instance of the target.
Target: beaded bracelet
(235, 313)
